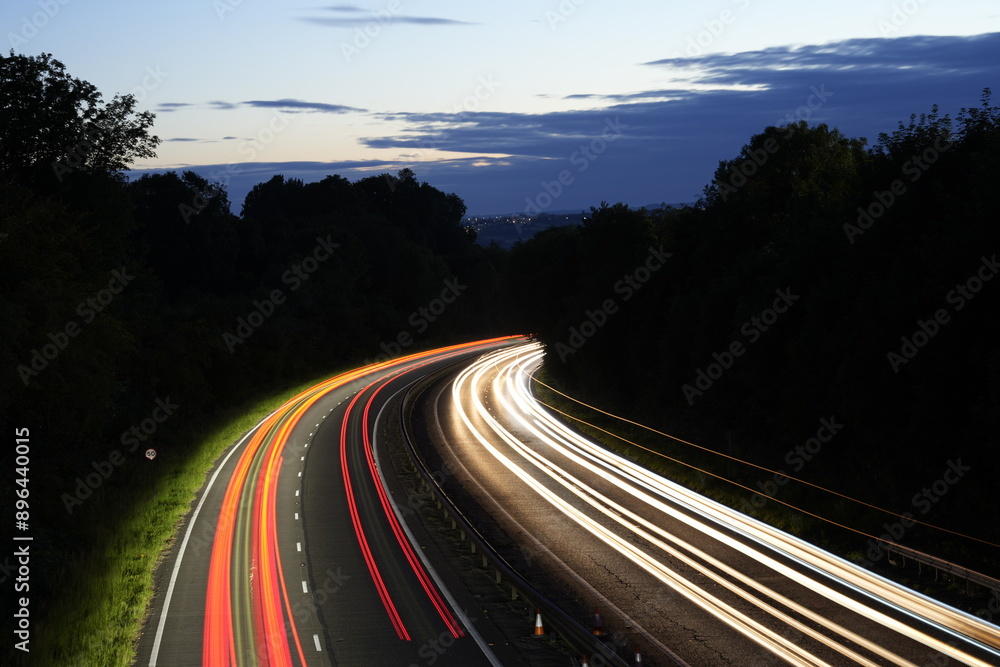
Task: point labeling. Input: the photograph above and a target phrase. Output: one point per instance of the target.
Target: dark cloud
(344, 8)
(287, 104)
(301, 105)
(380, 20)
(381, 17)
(167, 107)
(664, 144)
(673, 138)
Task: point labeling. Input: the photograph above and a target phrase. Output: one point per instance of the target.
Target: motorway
(694, 582)
(294, 553)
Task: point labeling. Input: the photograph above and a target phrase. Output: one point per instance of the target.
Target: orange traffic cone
(583, 662)
(638, 657)
(539, 628)
(598, 624)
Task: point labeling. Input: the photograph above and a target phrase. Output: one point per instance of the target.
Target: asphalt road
(294, 552)
(691, 580)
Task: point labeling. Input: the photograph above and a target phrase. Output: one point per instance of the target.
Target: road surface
(294, 553)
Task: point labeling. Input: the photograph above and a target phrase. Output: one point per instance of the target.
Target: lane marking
(473, 631)
(187, 536)
(318, 647)
(305, 589)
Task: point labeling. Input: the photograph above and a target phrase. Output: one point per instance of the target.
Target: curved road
(696, 581)
(294, 555)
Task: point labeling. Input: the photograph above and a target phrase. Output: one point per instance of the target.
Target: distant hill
(506, 229)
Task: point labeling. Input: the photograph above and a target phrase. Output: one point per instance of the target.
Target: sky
(521, 106)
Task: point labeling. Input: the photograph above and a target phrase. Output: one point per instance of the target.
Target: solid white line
(187, 536)
(473, 632)
(318, 647)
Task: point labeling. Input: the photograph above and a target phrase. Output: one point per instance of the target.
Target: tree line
(818, 280)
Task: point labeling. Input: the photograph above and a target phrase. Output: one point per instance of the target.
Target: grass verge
(102, 591)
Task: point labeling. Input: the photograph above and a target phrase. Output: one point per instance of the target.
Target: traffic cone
(638, 657)
(539, 628)
(598, 624)
(583, 661)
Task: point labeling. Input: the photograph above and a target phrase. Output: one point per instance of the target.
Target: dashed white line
(298, 546)
(305, 589)
(318, 647)
(296, 516)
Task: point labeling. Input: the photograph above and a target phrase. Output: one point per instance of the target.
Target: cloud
(344, 8)
(380, 17)
(167, 107)
(183, 139)
(672, 137)
(362, 22)
(675, 136)
(286, 104)
(292, 105)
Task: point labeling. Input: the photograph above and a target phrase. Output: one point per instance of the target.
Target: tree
(53, 124)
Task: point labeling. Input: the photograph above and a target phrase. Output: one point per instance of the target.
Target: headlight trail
(541, 452)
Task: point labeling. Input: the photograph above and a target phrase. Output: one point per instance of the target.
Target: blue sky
(633, 101)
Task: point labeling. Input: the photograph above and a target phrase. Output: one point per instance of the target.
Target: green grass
(102, 593)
